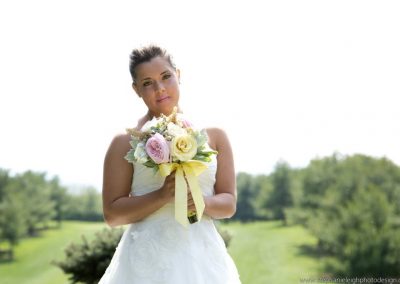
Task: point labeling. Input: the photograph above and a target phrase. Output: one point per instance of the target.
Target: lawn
(264, 252)
(267, 252)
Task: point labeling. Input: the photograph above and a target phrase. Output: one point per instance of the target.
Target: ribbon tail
(180, 198)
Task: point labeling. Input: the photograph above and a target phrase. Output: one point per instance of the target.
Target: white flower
(175, 130)
(153, 122)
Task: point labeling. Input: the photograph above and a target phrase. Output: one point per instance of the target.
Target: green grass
(264, 252)
(267, 252)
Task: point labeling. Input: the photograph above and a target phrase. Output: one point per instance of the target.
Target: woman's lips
(162, 99)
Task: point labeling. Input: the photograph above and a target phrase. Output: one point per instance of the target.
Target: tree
(351, 204)
(28, 199)
(12, 222)
(12, 219)
(85, 206)
(262, 185)
(280, 197)
(58, 195)
(364, 244)
(33, 192)
(4, 179)
(246, 196)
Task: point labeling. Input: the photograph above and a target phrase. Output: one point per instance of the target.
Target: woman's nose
(159, 87)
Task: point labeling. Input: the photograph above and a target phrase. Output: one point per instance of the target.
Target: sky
(287, 80)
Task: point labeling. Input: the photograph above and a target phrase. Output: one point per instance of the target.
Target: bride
(155, 248)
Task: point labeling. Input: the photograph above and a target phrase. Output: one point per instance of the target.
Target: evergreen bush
(86, 262)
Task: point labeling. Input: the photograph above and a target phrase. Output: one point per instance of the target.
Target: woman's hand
(167, 190)
(190, 202)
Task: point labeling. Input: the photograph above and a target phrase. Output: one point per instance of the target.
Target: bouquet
(169, 143)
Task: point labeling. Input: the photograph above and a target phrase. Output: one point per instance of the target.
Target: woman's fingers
(168, 188)
(191, 206)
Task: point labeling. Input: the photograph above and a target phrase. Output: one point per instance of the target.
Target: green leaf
(202, 158)
(201, 138)
(150, 164)
(134, 141)
(130, 156)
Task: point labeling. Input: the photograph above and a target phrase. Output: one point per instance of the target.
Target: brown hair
(145, 54)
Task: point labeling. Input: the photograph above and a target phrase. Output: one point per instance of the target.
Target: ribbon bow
(189, 170)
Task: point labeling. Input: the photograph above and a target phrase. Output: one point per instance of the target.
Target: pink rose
(157, 148)
(183, 121)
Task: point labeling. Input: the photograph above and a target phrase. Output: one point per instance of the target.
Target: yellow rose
(183, 147)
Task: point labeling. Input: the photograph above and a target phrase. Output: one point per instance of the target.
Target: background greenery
(337, 217)
(351, 205)
(33, 256)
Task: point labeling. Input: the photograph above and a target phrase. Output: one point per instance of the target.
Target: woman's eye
(166, 76)
(147, 83)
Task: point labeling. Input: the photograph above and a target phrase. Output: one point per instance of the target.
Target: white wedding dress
(158, 249)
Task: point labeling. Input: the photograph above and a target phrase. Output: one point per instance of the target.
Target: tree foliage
(281, 196)
(245, 208)
(33, 192)
(59, 197)
(25, 205)
(29, 203)
(352, 205)
(86, 206)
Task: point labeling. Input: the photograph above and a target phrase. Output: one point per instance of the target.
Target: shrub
(87, 262)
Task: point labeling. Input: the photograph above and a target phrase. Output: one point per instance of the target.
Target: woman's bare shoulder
(217, 137)
(119, 144)
(121, 138)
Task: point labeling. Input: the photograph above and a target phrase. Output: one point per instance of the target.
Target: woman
(155, 248)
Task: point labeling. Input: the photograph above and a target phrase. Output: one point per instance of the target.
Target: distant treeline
(351, 204)
(29, 203)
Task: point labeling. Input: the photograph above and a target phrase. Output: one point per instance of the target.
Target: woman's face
(157, 83)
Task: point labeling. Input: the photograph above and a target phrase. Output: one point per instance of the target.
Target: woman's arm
(223, 203)
(119, 208)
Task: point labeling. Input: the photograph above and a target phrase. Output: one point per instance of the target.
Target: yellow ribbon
(189, 170)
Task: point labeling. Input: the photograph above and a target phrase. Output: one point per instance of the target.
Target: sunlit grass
(267, 252)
